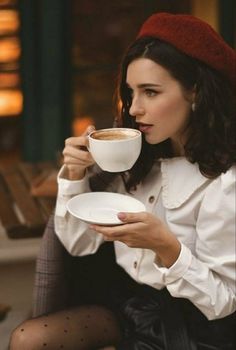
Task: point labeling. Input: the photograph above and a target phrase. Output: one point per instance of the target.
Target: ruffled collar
(180, 179)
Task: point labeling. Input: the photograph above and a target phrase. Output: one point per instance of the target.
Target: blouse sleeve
(207, 277)
(74, 234)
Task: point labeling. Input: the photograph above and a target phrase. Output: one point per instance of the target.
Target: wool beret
(195, 38)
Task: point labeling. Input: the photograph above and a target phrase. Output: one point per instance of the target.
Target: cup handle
(87, 147)
(89, 133)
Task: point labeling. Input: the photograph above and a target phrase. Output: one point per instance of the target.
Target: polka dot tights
(89, 327)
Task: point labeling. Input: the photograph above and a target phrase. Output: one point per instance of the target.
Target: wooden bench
(27, 198)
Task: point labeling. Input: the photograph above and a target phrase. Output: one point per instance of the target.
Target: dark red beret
(195, 38)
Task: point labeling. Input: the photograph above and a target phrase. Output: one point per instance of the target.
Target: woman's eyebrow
(145, 85)
(148, 85)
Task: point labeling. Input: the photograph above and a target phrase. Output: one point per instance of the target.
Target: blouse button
(135, 264)
(151, 199)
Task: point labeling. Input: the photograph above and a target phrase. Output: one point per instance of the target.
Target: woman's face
(160, 105)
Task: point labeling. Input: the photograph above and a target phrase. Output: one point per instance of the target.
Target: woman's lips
(144, 127)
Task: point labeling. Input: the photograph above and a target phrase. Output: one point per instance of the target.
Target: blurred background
(59, 61)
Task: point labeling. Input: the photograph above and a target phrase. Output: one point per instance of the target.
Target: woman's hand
(76, 156)
(146, 231)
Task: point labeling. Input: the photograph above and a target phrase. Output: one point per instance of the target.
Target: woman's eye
(150, 93)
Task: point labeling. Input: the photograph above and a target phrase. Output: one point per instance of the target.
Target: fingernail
(90, 128)
(121, 216)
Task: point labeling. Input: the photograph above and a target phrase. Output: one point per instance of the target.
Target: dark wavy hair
(211, 140)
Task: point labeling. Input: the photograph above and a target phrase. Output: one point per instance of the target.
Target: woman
(177, 259)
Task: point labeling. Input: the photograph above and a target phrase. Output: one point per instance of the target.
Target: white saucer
(102, 207)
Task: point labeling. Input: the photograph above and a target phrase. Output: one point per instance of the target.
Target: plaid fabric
(51, 288)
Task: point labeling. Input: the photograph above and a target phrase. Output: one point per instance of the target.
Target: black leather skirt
(154, 320)
(150, 319)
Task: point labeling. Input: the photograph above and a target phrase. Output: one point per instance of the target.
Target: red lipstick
(144, 127)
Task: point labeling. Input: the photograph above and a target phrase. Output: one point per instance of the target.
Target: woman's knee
(27, 336)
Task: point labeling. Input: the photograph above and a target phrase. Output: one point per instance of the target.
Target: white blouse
(198, 210)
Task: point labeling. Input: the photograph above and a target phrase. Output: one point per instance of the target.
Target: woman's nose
(136, 108)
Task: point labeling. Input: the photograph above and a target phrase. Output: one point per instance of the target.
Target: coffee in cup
(115, 149)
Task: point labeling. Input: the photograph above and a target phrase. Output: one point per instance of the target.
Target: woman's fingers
(122, 233)
(138, 230)
(76, 155)
(133, 217)
(113, 233)
(71, 152)
(89, 129)
(78, 141)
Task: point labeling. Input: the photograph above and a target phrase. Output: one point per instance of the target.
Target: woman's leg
(85, 327)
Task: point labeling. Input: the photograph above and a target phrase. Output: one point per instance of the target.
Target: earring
(193, 106)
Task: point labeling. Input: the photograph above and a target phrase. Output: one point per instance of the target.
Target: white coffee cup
(115, 149)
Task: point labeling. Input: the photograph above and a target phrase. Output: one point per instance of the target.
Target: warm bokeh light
(9, 22)
(9, 50)
(11, 102)
(9, 80)
(7, 2)
(207, 11)
(80, 124)
(11, 99)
